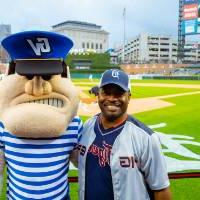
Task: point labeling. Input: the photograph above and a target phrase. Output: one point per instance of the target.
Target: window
(97, 46)
(92, 46)
(88, 46)
(83, 45)
(100, 46)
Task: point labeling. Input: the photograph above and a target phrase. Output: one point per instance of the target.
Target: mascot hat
(44, 52)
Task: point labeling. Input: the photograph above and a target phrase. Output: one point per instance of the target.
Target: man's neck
(111, 124)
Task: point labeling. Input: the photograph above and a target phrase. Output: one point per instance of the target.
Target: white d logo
(42, 46)
(115, 74)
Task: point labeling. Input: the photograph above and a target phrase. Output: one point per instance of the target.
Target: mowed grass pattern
(183, 119)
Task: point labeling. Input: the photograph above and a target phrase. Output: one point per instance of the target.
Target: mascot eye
(29, 77)
(46, 77)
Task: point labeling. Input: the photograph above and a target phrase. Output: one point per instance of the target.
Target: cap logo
(41, 46)
(115, 74)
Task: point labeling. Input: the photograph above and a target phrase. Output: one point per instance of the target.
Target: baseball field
(172, 109)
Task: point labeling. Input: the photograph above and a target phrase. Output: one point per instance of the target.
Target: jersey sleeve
(153, 164)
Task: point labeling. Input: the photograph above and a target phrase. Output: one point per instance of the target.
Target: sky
(149, 16)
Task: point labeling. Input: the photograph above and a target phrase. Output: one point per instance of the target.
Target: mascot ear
(66, 72)
(11, 68)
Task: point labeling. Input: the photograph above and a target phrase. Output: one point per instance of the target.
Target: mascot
(39, 129)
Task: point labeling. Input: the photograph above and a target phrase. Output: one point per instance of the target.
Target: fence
(74, 179)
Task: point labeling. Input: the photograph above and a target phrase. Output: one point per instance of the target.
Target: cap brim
(39, 67)
(115, 83)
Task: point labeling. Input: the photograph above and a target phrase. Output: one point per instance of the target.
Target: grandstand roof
(194, 66)
(77, 23)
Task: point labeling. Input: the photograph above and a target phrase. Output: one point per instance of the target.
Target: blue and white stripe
(38, 168)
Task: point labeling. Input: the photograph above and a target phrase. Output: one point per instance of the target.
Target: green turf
(167, 81)
(95, 81)
(143, 92)
(147, 91)
(183, 118)
(73, 186)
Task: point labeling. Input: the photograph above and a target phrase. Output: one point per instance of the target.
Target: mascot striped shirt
(38, 168)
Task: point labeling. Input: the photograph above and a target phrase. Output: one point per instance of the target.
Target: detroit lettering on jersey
(102, 153)
(38, 168)
(98, 163)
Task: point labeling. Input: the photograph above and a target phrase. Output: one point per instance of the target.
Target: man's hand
(74, 157)
(164, 194)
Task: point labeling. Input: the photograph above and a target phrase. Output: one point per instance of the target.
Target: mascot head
(37, 98)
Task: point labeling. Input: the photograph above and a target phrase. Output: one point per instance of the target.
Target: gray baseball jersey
(136, 161)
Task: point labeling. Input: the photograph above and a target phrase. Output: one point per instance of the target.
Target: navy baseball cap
(117, 77)
(37, 52)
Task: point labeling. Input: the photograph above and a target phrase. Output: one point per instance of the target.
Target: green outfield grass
(95, 81)
(167, 81)
(145, 91)
(142, 92)
(182, 119)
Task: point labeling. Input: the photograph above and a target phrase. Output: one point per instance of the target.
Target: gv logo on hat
(41, 46)
(115, 74)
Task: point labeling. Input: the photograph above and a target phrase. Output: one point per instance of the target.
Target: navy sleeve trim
(140, 124)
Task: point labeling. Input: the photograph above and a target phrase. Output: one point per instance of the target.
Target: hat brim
(39, 67)
(115, 83)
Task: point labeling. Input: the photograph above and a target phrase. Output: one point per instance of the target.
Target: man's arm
(74, 157)
(163, 194)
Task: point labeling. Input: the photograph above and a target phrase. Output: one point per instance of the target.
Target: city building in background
(5, 30)
(152, 48)
(86, 36)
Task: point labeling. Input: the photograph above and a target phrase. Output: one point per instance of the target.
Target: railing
(74, 179)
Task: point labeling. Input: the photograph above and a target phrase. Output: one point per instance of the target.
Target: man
(39, 129)
(94, 90)
(119, 157)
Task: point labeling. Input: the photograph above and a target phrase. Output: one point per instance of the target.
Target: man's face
(113, 101)
(37, 106)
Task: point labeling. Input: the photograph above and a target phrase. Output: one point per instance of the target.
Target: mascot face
(37, 108)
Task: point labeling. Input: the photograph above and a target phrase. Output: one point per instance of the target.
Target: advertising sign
(190, 11)
(191, 17)
(190, 26)
(191, 1)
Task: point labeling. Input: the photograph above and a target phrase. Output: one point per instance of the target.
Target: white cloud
(153, 16)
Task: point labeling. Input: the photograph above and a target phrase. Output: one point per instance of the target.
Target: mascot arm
(2, 163)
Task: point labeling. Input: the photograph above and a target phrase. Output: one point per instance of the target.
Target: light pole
(124, 41)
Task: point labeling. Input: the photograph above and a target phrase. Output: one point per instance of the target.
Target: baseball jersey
(38, 168)
(97, 163)
(136, 161)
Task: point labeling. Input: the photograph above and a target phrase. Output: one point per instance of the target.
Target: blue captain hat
(37, 52)
(116, 77)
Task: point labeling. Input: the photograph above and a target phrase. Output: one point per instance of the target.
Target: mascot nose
(38, 86)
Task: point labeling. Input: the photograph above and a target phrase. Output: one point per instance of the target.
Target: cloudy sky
(152, 16)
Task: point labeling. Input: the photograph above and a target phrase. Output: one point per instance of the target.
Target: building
(5, 30)
(86, 36)
(147, 48)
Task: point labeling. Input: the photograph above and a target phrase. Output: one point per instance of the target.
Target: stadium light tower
(124, 41)
(181, 36)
